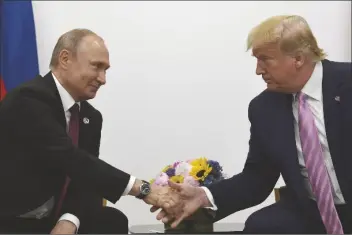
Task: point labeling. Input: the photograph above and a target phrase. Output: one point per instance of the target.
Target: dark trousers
(285, 217)
(106, 220)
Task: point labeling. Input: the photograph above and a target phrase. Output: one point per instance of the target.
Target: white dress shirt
(313, 89)
(67, 103)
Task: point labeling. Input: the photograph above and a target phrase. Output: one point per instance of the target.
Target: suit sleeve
(37, 127)
(81, 201)
(250, 187)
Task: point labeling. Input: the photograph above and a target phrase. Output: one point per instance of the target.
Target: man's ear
(299, 59)
(64, 59)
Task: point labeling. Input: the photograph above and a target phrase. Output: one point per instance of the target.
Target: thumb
(154, 208)
(175, 185)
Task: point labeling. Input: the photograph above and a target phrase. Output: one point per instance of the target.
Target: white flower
(191, 181)
(161, 179)
(183, 169)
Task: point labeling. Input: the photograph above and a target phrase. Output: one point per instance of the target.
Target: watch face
(145, 189)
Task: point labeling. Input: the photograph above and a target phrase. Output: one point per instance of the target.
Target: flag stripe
(2, 89)
(19, 58)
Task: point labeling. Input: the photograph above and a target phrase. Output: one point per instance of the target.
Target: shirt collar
(66, 98)
(313, 88)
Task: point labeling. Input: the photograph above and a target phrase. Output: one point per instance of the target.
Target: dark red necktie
(73, 132)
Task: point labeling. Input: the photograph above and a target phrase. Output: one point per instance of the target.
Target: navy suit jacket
(272, 146)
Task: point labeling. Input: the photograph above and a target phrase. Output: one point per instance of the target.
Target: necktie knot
(301, 97)
(74, 109)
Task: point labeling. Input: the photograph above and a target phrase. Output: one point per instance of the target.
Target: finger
(168, 218)
(154, 208)
(161, 215)
(175, 185)
(178, 220)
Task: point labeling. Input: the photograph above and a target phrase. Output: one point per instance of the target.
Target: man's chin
(90, 95)
(272, 87)
(279, 89)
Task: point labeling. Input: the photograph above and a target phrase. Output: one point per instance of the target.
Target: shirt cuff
(73, 219)
(129, 185)
(210, 198)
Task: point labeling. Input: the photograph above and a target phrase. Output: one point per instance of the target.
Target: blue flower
(170, 172)
(217, 169)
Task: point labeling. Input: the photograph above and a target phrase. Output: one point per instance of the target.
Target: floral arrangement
(196, 172)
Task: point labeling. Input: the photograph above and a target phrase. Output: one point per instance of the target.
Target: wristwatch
(144, 189)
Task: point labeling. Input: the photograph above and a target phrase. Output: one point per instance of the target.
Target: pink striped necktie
(317, 172)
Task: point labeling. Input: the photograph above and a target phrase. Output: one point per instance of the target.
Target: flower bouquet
(196, 172)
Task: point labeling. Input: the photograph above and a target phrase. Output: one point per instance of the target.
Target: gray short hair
(68, 41)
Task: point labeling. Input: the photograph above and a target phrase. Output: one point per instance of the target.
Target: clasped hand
(177, 202)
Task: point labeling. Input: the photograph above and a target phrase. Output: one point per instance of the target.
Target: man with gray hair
(51, 177)
(301, 128)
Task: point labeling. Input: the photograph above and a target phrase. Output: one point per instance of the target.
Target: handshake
(178, 190)
(177, 201)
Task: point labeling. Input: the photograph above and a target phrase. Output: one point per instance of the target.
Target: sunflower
(177, 179)
(200, 162)
(200, 169)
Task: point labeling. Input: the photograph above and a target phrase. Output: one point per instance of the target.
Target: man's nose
(259, 70)
(102, 78)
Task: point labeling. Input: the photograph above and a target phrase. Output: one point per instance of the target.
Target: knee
(118, 215)
(118, 221)
(255, 224)
(259, 223)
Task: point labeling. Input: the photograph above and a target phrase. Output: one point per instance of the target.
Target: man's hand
(191, 199)
(64, 227)
(164, 197)
(159, 196)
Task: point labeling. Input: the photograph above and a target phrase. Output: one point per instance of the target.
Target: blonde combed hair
(291, 32)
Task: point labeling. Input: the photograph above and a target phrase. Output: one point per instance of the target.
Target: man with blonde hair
(301, 128)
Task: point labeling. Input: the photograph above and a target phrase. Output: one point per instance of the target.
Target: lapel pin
(85, 120)
(337, 98)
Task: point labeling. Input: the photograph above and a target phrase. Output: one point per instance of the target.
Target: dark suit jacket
(272, 146)
(36, 153)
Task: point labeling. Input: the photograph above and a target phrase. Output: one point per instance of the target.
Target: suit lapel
(332, 114)
(84, 123)
(287, 144)
(49, 85)
(344, 162)
(337, 101)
